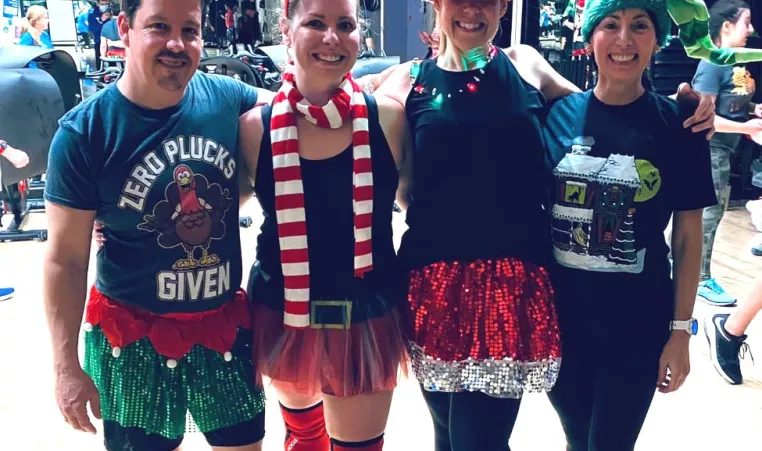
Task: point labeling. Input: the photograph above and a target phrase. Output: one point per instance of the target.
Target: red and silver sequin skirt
(360, 358)
(487, 326)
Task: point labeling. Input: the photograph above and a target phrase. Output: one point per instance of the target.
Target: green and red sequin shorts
(153, 370)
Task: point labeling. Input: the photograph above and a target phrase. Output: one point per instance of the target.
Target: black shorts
(118, 438)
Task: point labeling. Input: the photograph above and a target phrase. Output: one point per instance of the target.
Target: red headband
(286, 12)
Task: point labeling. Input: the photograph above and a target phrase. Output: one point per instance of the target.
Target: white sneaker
(755, 208)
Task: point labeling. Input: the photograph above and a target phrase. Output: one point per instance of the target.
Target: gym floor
(705, 414)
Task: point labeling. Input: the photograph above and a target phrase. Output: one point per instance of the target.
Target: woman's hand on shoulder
(536, 71)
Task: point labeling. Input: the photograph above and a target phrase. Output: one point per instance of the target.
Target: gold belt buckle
(331, 314)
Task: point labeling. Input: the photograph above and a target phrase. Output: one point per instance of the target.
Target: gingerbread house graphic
(593, 217)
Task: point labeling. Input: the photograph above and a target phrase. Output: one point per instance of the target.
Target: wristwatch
(3, 146)
(690, 326)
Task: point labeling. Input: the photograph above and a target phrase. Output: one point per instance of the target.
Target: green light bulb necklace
(477, 58)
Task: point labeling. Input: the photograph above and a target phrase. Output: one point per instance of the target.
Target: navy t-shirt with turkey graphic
(618, 173)
(165, 185)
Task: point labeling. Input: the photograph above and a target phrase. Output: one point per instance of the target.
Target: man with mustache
(154, 158)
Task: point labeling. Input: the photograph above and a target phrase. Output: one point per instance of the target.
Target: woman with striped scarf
(324, 160)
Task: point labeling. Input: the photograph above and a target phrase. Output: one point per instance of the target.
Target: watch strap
(688, 325)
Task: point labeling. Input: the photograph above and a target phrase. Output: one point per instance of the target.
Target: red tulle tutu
(488, 325)
(366, 358)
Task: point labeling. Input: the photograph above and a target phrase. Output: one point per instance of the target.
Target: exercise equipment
(37, 86)
(232, 67)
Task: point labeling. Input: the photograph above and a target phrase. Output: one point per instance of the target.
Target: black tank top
(478, 190)
(328, 196)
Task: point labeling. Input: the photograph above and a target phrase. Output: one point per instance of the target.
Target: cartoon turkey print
(191, 215)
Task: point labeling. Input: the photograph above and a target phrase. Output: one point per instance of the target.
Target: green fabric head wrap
(691, 17)
(597, 10)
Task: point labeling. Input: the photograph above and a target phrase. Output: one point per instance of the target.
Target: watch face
(694, 327)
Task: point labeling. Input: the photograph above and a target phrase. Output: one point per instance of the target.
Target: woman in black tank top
(326, 286)
(482, 320)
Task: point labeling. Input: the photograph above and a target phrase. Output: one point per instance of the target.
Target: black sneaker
(725, 349)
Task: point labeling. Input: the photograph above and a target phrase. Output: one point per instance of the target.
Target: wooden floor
(687, 419)
(732, 262)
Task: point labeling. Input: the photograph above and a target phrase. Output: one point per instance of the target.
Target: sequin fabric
(140, 388)
(488, 326)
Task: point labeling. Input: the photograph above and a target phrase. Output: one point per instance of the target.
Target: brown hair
(130, 8)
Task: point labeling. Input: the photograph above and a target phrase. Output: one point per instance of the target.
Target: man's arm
(72, 198)
(64, 292)
(65, 279)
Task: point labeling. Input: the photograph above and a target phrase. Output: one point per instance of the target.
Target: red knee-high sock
(305, 429)
(376, 444)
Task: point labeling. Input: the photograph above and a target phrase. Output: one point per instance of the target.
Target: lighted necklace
(475, 58)
(478, 58)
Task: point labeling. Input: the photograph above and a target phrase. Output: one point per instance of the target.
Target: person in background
(95, 20)
(34, 28)
(111, 44)
(83, 30)
(230, 26)
(18, 158)
(249, 28)
(726, 334)
(733, 88)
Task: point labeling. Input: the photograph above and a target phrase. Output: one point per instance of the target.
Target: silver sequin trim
(504, 378)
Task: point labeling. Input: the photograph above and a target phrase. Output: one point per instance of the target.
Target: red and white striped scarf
(346, 102)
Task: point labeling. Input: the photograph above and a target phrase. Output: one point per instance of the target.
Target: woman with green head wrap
(622, 165)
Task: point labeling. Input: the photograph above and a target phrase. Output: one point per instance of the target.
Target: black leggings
(469, 421)
(604, 391)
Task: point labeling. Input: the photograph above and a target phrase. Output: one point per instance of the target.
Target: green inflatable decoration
(692, 19)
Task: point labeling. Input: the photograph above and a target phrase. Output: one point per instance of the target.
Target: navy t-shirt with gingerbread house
(617, 174)
(165, 185)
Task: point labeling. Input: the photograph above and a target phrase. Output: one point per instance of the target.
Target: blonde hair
(33, 15)
(438, 28)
